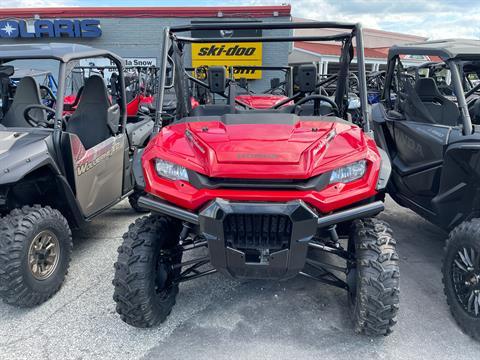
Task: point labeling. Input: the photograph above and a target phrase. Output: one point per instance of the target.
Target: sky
(435, 19)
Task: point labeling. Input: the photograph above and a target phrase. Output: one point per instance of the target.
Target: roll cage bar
(287, 70)
(65, 53)
(173, 44)
(149, 71)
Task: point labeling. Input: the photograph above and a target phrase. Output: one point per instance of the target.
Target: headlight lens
(170, 171)
(349, 173)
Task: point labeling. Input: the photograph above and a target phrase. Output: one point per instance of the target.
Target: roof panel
(445, 49)
(58, 51)
(334, 49)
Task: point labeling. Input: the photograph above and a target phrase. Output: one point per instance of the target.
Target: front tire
(133, 200)
(35, 251)
(373, 277)
(144, 289)
(461, 276)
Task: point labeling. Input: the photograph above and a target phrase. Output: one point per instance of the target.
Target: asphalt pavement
(218, 318)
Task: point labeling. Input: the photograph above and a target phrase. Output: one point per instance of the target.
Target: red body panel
(132, 106)
(262, 151)
(148, 100)
(262, 101)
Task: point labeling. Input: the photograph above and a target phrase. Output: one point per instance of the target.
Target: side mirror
(217, 78)
(307, 78)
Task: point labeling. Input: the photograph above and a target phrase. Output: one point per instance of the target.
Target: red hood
(291, 147)
(263, 101)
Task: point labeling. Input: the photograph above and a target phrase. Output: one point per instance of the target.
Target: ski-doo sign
(240, 54)
(59, 28)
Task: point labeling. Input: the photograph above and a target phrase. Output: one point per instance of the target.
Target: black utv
(433, 141)
(60, 165)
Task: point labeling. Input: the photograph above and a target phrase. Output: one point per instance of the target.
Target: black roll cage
(171, 40)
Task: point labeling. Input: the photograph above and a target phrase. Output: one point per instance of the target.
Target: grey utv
(60, 165)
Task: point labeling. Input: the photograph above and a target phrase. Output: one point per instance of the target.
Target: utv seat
(89, 121)
(475, 112)
(211, 110)
(308, 109)
(442, 110)
(26, 94)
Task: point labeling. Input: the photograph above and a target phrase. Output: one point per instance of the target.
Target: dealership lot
(220, 318)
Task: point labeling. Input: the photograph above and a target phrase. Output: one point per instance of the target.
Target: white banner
(140, 61)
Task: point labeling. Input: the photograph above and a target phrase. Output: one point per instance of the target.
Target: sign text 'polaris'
(40, 28)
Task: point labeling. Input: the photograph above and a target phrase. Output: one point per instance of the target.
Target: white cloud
(34, 3)
(432, 19)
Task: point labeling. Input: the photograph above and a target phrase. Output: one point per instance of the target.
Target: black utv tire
(22, 284)
(144, 292)
(461, 276)
(373, 278)
(133, 200)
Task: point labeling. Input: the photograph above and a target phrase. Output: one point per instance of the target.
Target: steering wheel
(332, 103)
(35, 122)
(49, 92)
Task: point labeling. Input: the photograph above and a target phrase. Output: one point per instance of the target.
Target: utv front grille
(200, 181)
(257, 231)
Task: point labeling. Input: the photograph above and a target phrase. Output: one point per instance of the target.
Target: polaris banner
(229, 54)
(59, 28)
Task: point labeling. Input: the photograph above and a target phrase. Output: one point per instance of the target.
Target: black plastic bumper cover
(279, 264)
(282, 263)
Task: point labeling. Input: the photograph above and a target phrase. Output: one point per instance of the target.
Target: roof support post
(161, 85)
(462, 102)
(361, 77)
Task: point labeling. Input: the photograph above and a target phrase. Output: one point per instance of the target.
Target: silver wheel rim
(43, 255)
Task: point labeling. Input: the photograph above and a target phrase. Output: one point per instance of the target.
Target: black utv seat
(27, 93)
(442, 110)
(90, 120)
(211, 110)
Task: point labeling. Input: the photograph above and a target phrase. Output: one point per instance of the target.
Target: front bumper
(259, 239)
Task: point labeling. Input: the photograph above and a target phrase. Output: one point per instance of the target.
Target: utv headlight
(170, 170)
(349, 173)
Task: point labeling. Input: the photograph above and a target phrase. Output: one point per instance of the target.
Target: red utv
(278, 91)
(139, 82)
(266, 191)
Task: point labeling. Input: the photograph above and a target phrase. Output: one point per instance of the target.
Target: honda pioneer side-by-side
(429, 126)
(60, 165)
(271, 193)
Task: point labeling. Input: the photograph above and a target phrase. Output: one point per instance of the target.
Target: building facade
(136, 34)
